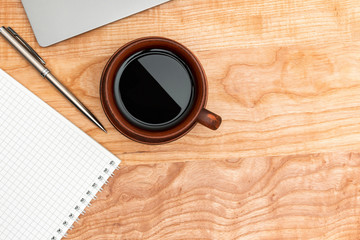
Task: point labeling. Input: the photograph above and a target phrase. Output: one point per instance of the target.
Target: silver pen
(29, 54)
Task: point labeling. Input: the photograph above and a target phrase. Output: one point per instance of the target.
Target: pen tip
(104, 129)
(100, 126)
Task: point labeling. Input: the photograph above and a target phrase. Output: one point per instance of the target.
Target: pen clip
(26, 45)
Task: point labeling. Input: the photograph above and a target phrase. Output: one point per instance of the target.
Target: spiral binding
(84, 202)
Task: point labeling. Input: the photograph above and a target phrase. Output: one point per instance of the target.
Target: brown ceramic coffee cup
(197, 113)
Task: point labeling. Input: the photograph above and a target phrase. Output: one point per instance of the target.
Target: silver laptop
(56, 20)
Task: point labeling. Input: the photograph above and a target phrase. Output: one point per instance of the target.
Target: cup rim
(120, 122)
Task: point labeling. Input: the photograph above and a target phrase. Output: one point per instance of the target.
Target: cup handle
(209, 119)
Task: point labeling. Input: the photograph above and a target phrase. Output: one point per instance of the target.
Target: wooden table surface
(284, 76)
(293, 197)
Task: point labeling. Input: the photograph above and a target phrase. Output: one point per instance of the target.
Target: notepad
(50, 170)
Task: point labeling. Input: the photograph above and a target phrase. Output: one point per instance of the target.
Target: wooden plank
(284, 75)
(292, 197)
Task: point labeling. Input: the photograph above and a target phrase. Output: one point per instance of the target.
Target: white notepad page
(49, 169)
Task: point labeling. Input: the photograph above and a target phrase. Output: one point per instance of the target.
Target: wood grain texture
(284, 75)
(294, 197)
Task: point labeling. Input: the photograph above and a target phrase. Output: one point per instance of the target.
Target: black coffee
(154, 89)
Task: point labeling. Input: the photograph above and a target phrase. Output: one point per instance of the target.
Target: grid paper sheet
(49, 169)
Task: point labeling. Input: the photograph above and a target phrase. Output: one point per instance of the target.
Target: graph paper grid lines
(49, 169)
